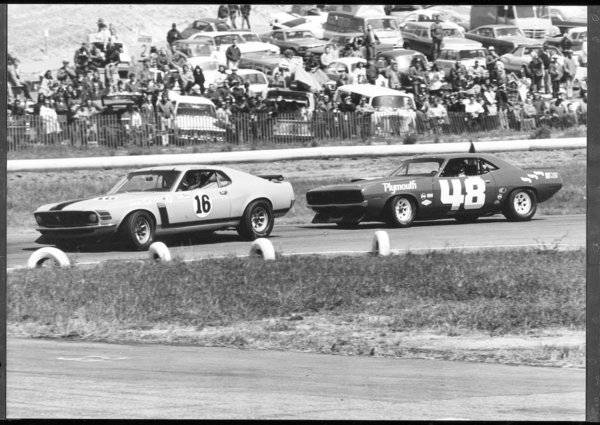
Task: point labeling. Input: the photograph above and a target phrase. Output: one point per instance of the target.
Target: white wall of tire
(47, 253)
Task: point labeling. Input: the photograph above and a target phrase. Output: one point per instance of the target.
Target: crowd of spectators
(485, 92)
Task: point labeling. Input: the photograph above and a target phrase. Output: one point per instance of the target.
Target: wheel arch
(136, 210)
(251, 199)
(531, 189)
(411, 196)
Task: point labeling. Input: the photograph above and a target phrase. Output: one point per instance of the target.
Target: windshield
(250, 37)
(254, 78)
(472, 54)
(525, 11)
(148, 181)
(383, 24)
(419, 167)
(300, 34)
(294, 22)
(508, 32)
(391, 101)
(228, 39)
(452, 32)
(196, 109)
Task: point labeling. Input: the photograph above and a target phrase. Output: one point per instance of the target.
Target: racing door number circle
(451, 193)
(202, 205)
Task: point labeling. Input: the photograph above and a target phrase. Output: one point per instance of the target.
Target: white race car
(170, 199)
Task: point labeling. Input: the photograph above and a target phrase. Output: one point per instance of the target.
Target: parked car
(402, 57)
(401, 9)
(428, 15)
(198, 51)
(340, 65)
(578, 36)
(461, 186)
(169, 199)
(504, 38)
(417, 36)
(196, 119)
(223, 40)
(467, 53)
(565, 17)
(298, 41)
(205, 25)
(521, 55)
(339, 40)
(344, 23)
(262, 62)
(257, 80)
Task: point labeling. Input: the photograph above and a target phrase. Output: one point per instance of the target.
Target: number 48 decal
(473, 198)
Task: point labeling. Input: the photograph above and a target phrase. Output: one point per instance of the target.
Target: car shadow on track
(172, 241)
(377, 225)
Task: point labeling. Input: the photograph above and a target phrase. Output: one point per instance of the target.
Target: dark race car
(462, 186)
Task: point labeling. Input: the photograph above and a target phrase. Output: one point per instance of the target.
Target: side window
(198, 179)
(278, 35)
(486, 166)
(223, 179)
(461, 167)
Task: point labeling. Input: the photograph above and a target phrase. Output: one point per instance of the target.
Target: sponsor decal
(202, 205)
(426, 202)
(430, 196)
(393, 188)
(502, 190)
(551, 175)
(423, 196)
(532, 176)
(539, 173)
(526, 179)
(499, 197)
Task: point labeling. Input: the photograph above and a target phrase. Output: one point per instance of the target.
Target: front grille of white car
(535, 33)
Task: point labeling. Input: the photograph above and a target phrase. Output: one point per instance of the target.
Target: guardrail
(108, 162)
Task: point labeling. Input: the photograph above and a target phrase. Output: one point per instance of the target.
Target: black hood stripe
(60, 206)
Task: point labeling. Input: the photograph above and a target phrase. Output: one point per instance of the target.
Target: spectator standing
(49, 119)
(186, 79)
(556, 74)
(382, 80)
(233, 14)
(371, 40)
(569, 71)
(233, 55)
(327, 57)
(437, 35)
(371, 72)
(14, 79)
(166, 114)
(172, 36)
(436, 78)
(393, 76)
(546, 60)
(536, 71)
(199, 78)
(245, 11)
(359, 74)
(223, 12)
(47, 84)
(566, 43)
(490, 61)
(501, 77)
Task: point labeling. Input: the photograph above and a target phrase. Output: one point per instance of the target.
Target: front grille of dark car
(65, 218)
(334, 197)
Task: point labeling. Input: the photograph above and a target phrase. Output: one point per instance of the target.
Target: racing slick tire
(466, 218)
(521, 205)
(138, 230)
(257, 221)
(401, 211)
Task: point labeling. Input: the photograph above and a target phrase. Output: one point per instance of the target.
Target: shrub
(410, 139)
(542, 132)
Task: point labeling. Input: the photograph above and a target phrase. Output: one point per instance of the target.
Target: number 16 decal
(473, 199)
(202, 205)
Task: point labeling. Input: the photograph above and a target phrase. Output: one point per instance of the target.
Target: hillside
(69, 24)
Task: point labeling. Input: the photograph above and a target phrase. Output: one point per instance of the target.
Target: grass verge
(350, 305)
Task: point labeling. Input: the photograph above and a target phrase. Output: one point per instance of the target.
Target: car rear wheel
(521, 205)
(138, 230)
(257, 221)
(401, 211)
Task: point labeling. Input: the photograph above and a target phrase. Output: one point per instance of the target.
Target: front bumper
(77, 232)
(337, 213)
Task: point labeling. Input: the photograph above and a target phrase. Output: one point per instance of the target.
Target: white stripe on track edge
(560, 247)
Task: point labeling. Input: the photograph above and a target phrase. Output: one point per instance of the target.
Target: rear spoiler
(272, 177)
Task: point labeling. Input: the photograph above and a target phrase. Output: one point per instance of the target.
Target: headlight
(93, 217)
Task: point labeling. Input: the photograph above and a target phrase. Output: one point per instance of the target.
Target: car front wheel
(401, 211)
(521, 205)
(257, 221)
(138, 230)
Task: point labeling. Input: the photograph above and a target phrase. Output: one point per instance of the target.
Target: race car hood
(104, 202)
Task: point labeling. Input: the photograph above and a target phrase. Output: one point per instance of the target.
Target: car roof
(350, 60)
(371, 90)
(428, 24)
(459, 43)
(199, 100)
(184, 167)
(495, 26)
(246, 71)
(400, 52)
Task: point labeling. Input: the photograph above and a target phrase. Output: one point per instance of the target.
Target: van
(343, 23)
(417, 36)
(534, 21)
(380, 98)
(466, 53)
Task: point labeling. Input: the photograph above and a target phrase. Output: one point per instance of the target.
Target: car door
(462, 188)
(202, 202)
